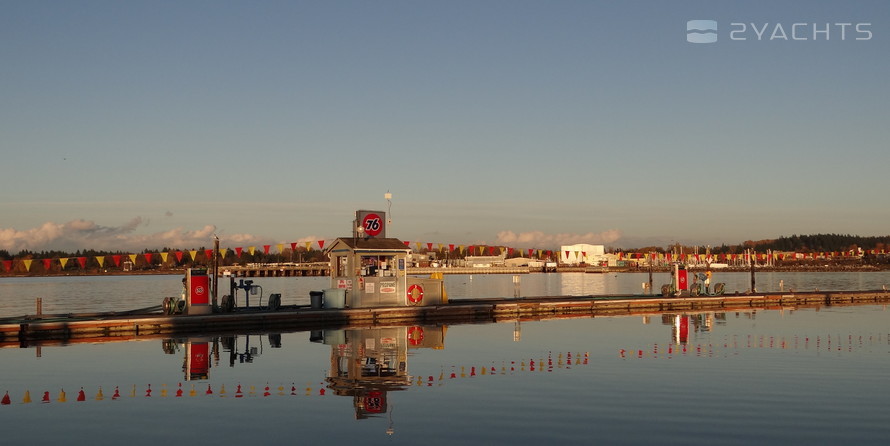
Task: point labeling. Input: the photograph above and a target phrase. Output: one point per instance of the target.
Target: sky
(532, 124)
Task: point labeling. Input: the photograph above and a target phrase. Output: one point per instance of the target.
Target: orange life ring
(415, 335)
(415, 293)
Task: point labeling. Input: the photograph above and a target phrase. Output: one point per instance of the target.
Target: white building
(582, 253)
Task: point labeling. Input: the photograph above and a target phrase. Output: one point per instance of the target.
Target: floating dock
(23, 331)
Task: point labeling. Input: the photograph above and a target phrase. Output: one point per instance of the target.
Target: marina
(370, 286)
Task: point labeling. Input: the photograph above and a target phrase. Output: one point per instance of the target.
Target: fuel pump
(249, 289)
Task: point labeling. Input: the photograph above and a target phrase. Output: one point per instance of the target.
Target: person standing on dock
(708, 281)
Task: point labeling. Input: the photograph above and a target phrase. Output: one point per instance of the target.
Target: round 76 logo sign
(373, 224)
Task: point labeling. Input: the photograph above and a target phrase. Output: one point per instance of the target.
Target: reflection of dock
(14, 332)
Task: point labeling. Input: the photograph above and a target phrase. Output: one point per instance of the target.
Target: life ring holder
(415, 294)
(415, 335)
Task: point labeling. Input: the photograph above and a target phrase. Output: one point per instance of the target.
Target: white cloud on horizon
(86, 234)
(534, 239)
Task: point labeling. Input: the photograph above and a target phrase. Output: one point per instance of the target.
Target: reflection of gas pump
(248, 354)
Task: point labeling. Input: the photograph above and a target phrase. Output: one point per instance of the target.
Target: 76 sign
(373, 224)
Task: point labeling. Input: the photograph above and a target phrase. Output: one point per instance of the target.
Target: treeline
(303, 255)
(823, 243)
(796, 243)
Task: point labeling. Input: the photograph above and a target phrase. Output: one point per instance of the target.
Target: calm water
(808, 376)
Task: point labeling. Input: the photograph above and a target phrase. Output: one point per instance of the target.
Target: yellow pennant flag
(27, 264)
(63, 261)
(133, 258)
(164, 256)
(308, 245)
(576, 254)
(280, 247)
(461, 247)
(441, 246)
(193, 253)
(101, 260)
(502, 250)
(251, 249)
(418, 245)
(481, 250)
(223, 251)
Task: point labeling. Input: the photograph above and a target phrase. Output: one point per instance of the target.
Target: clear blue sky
(144, 124)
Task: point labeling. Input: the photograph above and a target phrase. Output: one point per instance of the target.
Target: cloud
(86, 234)
(534, 239)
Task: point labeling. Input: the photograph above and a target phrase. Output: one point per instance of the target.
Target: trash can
(316, 299)
(335, 298)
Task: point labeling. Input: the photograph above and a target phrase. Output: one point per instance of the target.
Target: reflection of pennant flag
(193, 253)
(117, 260)
(266, 249)
(27, 263)
(46, 263)
(238, 252)
(280, 247)
(101, 261)
(63, 261)
(133, 258)
(321, 244)
(82, 261)
(251, 249)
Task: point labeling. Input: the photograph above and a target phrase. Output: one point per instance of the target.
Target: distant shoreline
(496, 270)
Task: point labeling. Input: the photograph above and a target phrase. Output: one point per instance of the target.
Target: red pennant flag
(178, 256)
(238, 252)
(429, 246)
(530, 251)
(266, 249)
(451, 247)
(321, 244)
(407, 243)
(510, 251)
(7, 264)
(491, 250)
(117, 260)
(82, 261)
(293, 246)
(46, 263)
(147, 258)
(208, 254)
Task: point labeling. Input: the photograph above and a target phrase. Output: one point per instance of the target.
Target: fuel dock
(370, 287)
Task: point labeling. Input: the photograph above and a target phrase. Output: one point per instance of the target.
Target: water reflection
(367, 364)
